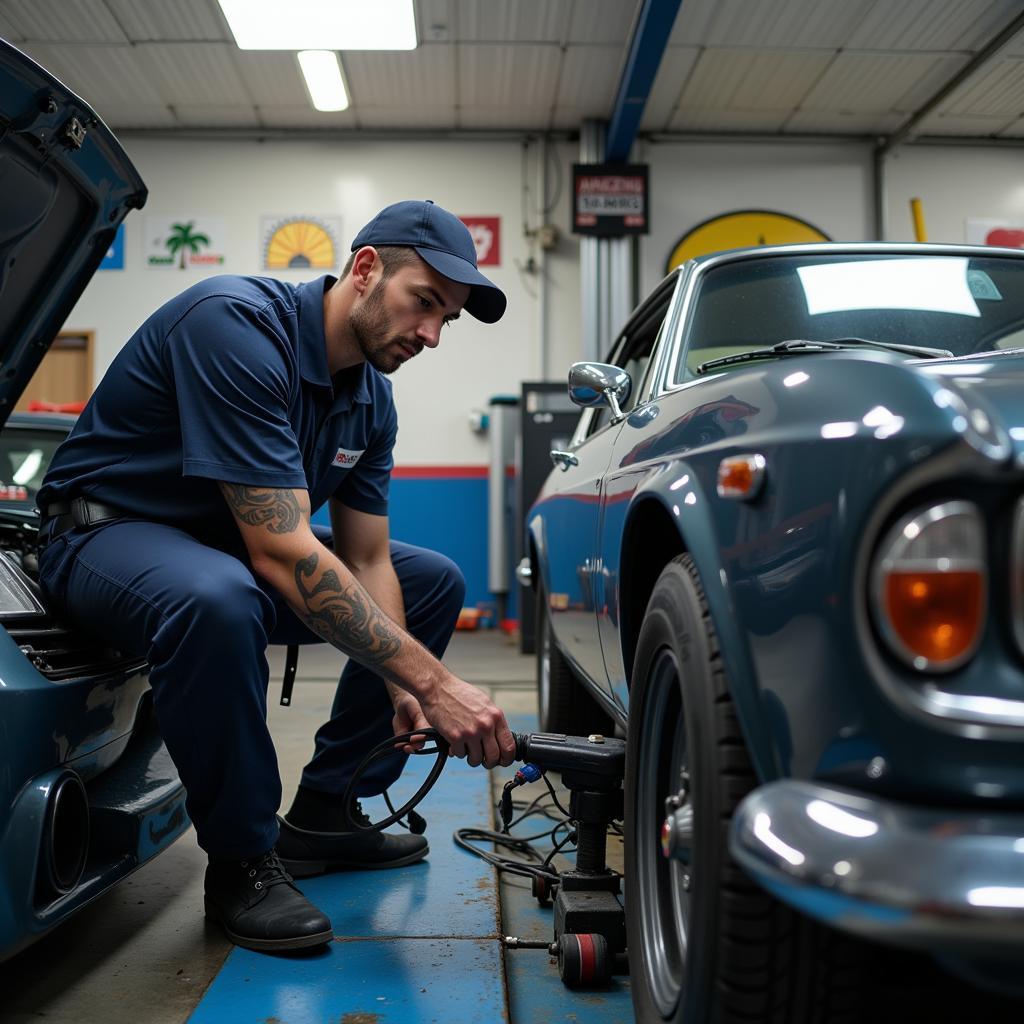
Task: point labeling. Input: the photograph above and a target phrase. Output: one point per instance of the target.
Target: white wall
(827, 184)
(242, 180)
(954, 183)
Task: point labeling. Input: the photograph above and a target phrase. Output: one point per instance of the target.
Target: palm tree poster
(187, 242)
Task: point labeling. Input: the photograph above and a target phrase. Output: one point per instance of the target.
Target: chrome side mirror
(599, 384)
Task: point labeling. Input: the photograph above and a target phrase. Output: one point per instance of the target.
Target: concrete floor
(145, 951)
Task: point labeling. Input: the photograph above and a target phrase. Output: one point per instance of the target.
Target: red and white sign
(486, 232)
(995, 232)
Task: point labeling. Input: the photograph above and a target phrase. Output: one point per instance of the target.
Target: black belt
(77, 512)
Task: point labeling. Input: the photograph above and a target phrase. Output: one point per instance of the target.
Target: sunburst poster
(300, 243)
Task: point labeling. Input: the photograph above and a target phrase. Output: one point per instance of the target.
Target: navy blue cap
(442, 241)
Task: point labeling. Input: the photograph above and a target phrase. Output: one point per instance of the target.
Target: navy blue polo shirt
(229, 381)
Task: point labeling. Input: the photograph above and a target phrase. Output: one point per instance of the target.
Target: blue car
(87, 790)
(784, 554)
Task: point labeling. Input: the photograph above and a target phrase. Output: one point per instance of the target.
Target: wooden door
(64, 377)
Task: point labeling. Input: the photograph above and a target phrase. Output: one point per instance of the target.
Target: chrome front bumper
(929, 878)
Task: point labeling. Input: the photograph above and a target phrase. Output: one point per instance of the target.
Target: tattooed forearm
(345, 616)
(277, 509)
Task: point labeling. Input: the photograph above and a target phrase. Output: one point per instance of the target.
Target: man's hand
(408, 717)
(474, 726)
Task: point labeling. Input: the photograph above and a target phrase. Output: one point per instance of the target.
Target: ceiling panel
(170, 20)
(753, 80)
(9, 31)
(589, 78)
(952, 124)
(1014, 130)
(863, 82)
(84, 21)
(932, 24)
(128, 114)
(196, 73)
(423, 78)
(693, 23)
(101, 75)
(997, 91)
(601, 21)
(503, 118)
(821, 24)
(689, 119)
(484, 21)
(675, 69)
(843, 123)
(213, 115)
(271, 78)
(515, 78)
(435, 19)
(302, 117)
(423, 117)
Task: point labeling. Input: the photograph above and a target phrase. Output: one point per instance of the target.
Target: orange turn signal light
(740, 476)
(937, 616)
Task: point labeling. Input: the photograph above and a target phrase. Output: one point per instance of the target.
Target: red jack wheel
(583, 960)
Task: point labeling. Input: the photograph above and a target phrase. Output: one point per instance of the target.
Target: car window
(634, 349)
(24, 458)
(963, 304)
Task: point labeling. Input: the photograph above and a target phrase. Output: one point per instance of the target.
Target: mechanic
(176, 525)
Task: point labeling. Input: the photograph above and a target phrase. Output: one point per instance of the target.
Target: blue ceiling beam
(646, 48)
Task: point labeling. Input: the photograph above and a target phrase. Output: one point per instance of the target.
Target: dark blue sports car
(87, 791)
(784, 552)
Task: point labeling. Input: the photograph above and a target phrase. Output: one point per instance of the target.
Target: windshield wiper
(799, 346)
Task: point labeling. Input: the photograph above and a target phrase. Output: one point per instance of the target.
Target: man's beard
(371, 327)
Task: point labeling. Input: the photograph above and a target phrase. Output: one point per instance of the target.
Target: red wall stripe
(438, 472)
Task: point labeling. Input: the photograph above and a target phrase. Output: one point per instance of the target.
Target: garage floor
(417, 944)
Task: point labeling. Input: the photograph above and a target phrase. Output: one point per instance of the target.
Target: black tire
(707, 945)
(563, 705)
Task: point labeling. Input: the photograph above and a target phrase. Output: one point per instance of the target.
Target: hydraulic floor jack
(589, 922)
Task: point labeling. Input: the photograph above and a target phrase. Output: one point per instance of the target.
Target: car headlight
(930, 586)
(16, 599)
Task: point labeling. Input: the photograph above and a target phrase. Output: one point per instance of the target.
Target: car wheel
(706, 945)
(562, 703)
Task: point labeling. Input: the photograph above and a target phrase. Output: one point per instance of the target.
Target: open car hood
(65, 186)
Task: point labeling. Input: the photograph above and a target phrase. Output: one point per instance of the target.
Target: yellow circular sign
(741, 229)
(299, 243)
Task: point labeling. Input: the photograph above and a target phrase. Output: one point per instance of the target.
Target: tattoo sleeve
(277, 509)
(345, 616)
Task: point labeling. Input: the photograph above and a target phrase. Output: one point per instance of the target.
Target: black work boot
(260, 908)
(317, 837)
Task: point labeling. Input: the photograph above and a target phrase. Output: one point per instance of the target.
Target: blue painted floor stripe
(416, 945)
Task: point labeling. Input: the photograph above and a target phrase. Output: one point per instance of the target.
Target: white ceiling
(789, 67)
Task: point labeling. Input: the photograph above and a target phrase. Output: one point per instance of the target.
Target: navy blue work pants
(203, 621)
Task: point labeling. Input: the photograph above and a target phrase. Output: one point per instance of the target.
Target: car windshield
(960, 303)
(25, 454)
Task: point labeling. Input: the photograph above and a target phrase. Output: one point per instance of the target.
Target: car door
(581, 594)
(571, 514)
(644, 345)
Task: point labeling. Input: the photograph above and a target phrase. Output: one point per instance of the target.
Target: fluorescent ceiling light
(322, 72)
(321, 24)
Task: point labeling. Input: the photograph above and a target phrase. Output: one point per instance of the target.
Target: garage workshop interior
(650, 649)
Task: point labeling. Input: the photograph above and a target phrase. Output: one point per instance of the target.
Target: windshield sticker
(982, 286)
